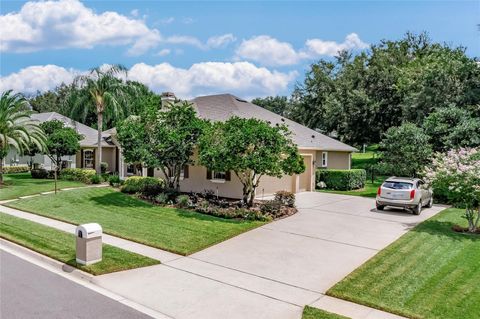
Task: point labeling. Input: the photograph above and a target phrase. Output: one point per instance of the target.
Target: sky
(250, 49)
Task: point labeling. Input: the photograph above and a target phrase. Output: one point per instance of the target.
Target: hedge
(15, 169)
(343, 180)
(146, 186)
(78, 174)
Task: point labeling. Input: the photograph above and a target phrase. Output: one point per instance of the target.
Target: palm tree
(17, 129)
(105, 92)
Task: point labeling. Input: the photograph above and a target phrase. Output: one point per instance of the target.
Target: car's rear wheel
(430, 203)
(418, 209)
(380, 207)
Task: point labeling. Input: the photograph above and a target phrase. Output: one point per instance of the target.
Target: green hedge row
(145, 186)
(78, 174)
(15, 169)
(341, 179)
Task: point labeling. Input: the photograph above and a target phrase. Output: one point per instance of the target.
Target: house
(318, 151)
(85, 157)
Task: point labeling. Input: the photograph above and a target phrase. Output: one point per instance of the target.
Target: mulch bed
(464, 230)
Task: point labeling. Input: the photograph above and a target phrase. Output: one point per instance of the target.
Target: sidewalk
(187, 287)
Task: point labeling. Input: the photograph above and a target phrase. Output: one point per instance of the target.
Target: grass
(314, 313)
(176, 230)
(363, 160)
(23, 184)
(430, 272)
(60, 245)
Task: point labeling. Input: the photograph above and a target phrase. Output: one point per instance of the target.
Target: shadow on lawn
(444, 229)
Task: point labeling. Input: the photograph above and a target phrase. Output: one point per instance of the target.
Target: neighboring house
(318, 151)
(85, 157)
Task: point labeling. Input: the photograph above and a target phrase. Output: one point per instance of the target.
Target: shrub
(146, 186)
(96, 179)
(183, 201)
(103, 167)
(342, 179)
(39, 173)
(78, 174)
(271, 207)
(15, 169)
(161, 199)
(286, 198)
(114, 180)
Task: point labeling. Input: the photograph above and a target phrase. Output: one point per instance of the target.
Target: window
(324, 159)
(219, 175)
(88, 159)
(397, 185)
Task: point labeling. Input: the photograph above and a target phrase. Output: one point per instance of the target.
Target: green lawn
(362, 160)
(176, 230)
(430, 272)
(314, 313)
(60, 245)
(23, 184)
(370, 189)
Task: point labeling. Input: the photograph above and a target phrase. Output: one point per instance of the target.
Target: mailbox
(89, 243)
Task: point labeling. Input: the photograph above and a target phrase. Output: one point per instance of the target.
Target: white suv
(409, 193)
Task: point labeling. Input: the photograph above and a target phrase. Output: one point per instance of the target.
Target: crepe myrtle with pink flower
(457, 175)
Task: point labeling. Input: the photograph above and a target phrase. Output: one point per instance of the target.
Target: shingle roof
(223, 106)
(89, 134)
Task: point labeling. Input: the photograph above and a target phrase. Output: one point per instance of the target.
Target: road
(29, 291)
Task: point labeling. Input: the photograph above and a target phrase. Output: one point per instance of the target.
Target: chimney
(168, 97)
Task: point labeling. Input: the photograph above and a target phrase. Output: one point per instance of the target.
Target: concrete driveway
(274, 270)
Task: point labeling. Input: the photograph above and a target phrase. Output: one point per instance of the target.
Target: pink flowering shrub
(457, 174)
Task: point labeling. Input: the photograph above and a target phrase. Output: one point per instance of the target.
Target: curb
(71, 273)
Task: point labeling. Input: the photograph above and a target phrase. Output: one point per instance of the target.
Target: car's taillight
(412, 194)
(379, 191)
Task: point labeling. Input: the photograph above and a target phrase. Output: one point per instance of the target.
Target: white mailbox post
(89, 243)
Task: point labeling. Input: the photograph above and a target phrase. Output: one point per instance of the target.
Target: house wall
(108, 156)
(336, 160)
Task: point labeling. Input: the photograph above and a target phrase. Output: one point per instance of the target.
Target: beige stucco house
(318, 151)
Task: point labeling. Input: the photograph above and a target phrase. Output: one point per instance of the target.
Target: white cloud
(185, 39)
(267, 50)
(270, 51)
(134, 12)
(317, 47)
(241, 78)
(68, 23)
(188, 20)
(220, 41)
(163, 52)
(37, 78)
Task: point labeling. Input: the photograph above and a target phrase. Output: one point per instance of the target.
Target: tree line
(358, 98)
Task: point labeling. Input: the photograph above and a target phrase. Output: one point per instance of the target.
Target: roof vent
(240, 100)
(283, 120)
(313, 136)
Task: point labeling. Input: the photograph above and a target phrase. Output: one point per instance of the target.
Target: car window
(397, 185)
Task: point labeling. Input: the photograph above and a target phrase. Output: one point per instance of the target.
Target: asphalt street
(29, 291)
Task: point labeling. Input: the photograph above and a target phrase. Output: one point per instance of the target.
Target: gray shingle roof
(89, 134)
(223, 106)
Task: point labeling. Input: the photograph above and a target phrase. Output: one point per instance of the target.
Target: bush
(271, 207)
(15, 169)
(114, 181)
(161, 199)
(286, 198)
(103, 167)
(77, 174)
(39, 173)
(342, 179)
(146, 186)
(96, 179)
(183, 201)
